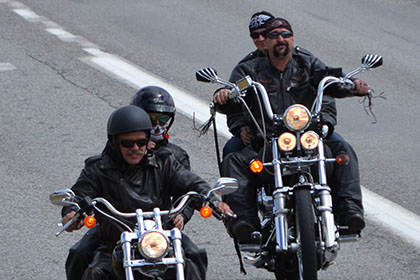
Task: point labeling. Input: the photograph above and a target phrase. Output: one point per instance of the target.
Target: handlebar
(148, 214)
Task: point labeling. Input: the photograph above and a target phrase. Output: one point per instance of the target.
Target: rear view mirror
(225, 185)
(372, 60)
(369, 61)
(207, 75)
(62, 197)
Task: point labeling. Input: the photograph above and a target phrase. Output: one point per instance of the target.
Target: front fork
(279, 199)
(325, 207)
(176, 237)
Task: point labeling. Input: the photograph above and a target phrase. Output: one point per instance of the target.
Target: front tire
(305, 233)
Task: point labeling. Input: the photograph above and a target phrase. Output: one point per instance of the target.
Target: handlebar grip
(66, 226)
(348, 84)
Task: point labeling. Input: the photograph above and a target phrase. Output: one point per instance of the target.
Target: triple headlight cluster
(297, 118)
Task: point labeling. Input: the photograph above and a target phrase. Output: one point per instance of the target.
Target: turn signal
(206, 212)
(89, 221)
(342, 159)
(256, 166)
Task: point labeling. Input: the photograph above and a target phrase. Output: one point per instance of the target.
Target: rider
(257, 25)
(130, 176)
(157, 102)
(287, 73)
(160, 106)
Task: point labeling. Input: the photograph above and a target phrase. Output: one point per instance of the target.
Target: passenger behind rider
(287, 72)
(160, 106)
(157, 102)
(241, 136)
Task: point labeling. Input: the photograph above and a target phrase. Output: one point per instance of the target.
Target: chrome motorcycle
(148, 249)
(298, 235)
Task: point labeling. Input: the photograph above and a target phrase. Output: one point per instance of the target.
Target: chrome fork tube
(126, 238)
(321, 167)
(325, 207)
(176, 237)
(279, 200)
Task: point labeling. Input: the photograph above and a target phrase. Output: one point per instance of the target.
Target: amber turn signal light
(256, 166)
(342, 159)
(89, 221)
(206, 212)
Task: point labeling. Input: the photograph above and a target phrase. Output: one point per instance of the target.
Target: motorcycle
(147, 248)
(299, 235)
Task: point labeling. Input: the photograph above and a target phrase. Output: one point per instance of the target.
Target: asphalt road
(54, 108)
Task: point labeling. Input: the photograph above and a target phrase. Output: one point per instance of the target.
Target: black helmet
(154, 99)
(128, 119)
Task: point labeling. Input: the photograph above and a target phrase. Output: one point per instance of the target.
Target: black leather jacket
(155, 182)
(179, 153)
(295, 85)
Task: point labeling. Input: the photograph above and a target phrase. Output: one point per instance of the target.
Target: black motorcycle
(148, 250)
(298, 235)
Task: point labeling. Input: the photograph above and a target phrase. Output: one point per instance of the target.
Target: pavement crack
(63, 76)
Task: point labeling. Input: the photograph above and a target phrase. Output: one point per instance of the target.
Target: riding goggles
(161, 119)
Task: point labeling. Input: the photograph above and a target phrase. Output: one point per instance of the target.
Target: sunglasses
(275, 34)
(130, 143)
(257, 35)
(161, 119)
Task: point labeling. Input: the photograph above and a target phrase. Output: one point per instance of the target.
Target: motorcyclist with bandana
(160, 106)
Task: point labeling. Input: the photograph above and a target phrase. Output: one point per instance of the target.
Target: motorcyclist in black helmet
(130, 176)
(160, 106)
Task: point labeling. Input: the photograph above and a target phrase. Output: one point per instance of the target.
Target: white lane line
(27, 15)
(62, 34)
(185, 103)
(7, 67)
(392, 216)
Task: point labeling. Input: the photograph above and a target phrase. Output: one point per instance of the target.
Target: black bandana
(258, 21)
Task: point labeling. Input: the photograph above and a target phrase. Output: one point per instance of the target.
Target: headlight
(153, 245)
(309, 140)
(287, 141)
(297, 117)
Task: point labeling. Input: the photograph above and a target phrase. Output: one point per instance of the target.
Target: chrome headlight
(287, 141)
(309, 140)
(297, 117)
(153, 245)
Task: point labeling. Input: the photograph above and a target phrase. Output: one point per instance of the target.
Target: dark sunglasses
(161, 119)
(256, 35)
(130, 143)
(275, 34)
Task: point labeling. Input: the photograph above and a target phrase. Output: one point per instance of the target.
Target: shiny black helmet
(128, 119)
(154, 99)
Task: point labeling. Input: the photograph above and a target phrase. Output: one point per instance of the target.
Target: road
(55, 100)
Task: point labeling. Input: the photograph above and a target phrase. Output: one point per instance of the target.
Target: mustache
(281, 44)
(137, 153)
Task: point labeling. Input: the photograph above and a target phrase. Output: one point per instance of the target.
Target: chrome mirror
(207, 75)
(225, 185)
(62, 197)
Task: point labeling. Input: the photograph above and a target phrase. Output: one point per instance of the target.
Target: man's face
(133, 146)
(279, 47)
(259, 39)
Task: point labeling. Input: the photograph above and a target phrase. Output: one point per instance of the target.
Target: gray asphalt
(54, 108)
